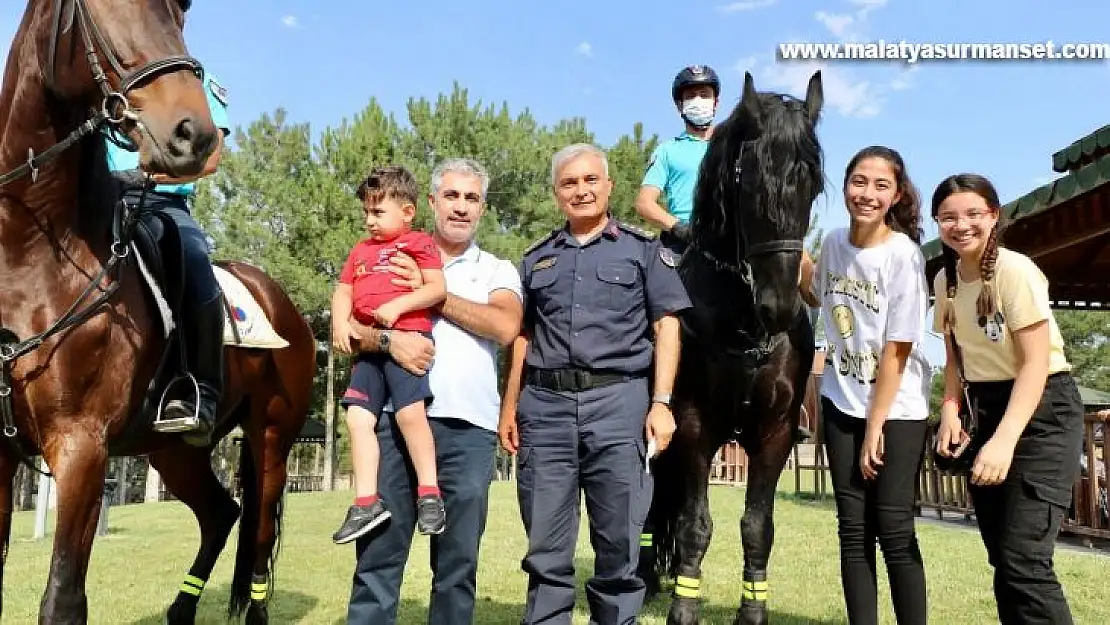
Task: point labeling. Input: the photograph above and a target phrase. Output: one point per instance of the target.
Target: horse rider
(674, 165)
(588, 393)
(203, 313)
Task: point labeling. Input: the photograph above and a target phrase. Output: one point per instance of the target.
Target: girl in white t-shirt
(870, 284)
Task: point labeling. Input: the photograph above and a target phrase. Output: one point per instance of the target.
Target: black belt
(575, 380)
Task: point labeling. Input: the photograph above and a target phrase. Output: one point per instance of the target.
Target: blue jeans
(464, 460)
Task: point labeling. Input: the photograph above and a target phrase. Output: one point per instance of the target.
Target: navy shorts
(376, 378)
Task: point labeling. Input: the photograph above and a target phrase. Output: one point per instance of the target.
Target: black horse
(747, 343)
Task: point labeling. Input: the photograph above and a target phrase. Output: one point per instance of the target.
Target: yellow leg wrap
(687, 587)
(192, 585)
(755, 591)
(645, 540)
(258, 591)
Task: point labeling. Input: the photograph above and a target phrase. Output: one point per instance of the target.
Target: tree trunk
(123, 467)
(329, 423)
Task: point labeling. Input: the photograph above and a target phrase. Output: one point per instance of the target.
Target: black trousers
(1020, 518)
(881, 510)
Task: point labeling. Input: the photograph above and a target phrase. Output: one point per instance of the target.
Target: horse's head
(128, 60)
(758, 181)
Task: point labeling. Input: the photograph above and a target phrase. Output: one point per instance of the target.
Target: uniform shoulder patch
(668, 256)
(544, 239)
(636, 230)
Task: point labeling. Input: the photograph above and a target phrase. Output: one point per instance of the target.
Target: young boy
(366, 293)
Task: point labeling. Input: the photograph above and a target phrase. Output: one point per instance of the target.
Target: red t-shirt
(367, 271)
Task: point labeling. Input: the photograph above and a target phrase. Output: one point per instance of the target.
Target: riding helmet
(695, 75)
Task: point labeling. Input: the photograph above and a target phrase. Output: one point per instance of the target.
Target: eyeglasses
(949, 220)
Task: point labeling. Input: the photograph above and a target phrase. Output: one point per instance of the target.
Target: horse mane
(765, 165)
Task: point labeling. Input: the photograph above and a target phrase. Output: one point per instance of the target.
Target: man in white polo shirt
(482, 311)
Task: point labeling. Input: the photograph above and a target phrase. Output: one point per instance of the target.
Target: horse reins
(115, 109)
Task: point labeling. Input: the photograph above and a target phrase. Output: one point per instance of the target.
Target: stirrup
(181, 424)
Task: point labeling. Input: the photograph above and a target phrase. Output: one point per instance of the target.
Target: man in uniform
(674, 165)
(601, 343)
(202, 319)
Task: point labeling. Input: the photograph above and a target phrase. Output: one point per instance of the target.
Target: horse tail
(247, 553)
(672, 487)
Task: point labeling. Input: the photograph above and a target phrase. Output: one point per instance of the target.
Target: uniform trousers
(589, 442)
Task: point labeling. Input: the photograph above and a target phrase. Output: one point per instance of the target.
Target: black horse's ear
(815, 98)
(749, 103)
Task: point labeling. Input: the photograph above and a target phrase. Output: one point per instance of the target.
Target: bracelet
(954, 400)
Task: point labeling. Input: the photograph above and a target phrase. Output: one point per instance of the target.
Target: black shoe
(204, 348)
(431, 517)
(359, 521)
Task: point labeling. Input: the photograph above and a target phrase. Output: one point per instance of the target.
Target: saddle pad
(250, 321)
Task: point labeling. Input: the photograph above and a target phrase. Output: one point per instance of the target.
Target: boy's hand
(341, 335)
(387, 314)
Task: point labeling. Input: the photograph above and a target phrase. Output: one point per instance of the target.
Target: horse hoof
(683, 612)
(182, 613)
(257, 614)
(751, 614)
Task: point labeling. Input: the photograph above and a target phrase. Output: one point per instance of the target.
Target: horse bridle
(115, 107)
(742, 267)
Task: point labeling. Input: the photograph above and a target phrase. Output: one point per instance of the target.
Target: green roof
(1092, 399)
(1083, 151)
(1059, 191)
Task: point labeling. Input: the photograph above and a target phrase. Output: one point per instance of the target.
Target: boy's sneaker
(431, 517)
(360, 520)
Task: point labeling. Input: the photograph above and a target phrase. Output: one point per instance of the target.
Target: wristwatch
(662, 399)
(383, 340)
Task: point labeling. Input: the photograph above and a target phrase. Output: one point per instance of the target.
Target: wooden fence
(946, 494)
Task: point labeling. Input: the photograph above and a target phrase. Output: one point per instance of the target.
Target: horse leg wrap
(687, 587)
(646, 540)
(755, 590)
(192, 585)
(259, 588)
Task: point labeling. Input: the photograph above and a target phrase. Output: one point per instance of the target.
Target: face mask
(699, 111)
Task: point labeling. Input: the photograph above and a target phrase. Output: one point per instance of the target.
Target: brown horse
(80, 339)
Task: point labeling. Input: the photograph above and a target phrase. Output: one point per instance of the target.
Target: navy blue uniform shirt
(592, 306)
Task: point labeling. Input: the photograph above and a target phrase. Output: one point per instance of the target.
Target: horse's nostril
(185, 130)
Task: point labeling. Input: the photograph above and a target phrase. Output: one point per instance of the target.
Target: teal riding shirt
(120, 159)
(674, 170)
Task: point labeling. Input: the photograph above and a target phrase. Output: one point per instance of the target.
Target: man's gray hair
(464, 166)
(572, 152)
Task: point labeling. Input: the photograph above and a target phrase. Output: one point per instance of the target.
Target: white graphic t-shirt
(870, 296)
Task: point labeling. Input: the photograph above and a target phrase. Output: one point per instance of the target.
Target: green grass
(136, 569)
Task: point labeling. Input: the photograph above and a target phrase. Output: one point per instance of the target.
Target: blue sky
(612, 62)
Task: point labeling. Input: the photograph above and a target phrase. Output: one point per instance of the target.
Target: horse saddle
(160, 259)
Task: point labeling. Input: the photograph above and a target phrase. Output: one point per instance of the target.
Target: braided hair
(986, 306)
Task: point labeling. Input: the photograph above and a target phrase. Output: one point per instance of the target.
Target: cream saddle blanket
(245, 323)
